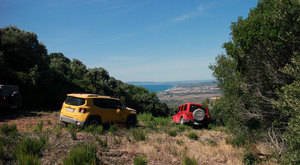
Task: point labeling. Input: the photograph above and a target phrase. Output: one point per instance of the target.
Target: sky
(134, 40)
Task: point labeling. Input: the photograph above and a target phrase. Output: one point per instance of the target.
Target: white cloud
(192, 14)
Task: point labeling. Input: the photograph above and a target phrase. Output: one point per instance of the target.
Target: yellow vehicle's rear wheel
(93, 120)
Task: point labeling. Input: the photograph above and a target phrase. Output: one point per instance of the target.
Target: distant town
(190, 92)
(179, 92)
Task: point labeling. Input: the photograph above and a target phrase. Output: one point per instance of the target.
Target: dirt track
(26, 121)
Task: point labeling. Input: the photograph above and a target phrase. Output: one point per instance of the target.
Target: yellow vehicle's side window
(108, 109)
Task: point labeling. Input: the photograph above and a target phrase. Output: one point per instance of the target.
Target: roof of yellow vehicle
(87, 95)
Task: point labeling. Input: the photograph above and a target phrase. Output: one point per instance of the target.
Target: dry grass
(27, 122)
(163, 148)
(158, 148)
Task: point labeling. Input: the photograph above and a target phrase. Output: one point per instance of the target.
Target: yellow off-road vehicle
(88, 109)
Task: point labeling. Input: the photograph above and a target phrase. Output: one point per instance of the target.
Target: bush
(237, 140)
(193, 136)
(82, 154)
(28, 159)
(148, 120)
(29, 149)
(249, 158)
(39, 127)
(72, 128)
(9, 130)
(182, 128)
(179, 142)
(172, 133)
(31, 146)
(114, 128)
(162, 121)
(102, 143)
(57, 130)
(94, 129)
(139, 134)
(139, 160)
(189, 161)
(211, 142)
(145, 117)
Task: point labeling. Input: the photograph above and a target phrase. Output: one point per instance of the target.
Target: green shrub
(31, 146)
(94, 129)
(162, 121)
(211, 142)
(9, 130)
(145, 117)
(212, 126)
(148, 120)
(114, 128)
(29, 149)
(139, 134)
(189, 161)
(193, 135)
(28, 159)
(172, 133)
(139, 160)
(179, 141)
(237, 140)
(102, 143)
(49, 122)
(57, 129)
(182, 128)
(249, 159)
(98, 130)
(73, 129)
(84, 154)
(39, 127)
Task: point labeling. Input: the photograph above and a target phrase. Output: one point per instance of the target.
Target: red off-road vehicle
(192, 113)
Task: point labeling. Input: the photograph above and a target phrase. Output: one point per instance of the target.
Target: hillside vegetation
(259, 77)
(40, 139)
(45, 79)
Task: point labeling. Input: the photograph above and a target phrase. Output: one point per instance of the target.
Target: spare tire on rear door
(199, 114)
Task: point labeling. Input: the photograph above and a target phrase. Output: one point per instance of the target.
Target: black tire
(93, 120)
(131, 121)
(64, 124)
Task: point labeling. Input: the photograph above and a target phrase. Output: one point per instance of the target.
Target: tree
(251, 71)
(60, 64)
(289, 105)
(45, 80)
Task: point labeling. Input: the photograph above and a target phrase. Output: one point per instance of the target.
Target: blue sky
(135, 40)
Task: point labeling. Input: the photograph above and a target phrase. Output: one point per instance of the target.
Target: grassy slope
(156, 140)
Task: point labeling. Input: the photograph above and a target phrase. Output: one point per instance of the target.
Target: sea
(157, 88)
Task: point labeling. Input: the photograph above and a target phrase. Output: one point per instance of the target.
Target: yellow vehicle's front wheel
(131, 121)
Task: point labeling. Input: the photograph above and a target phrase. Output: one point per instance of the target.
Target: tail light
(82, 110)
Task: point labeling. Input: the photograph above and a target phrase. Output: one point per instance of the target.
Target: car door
(180, 113)
(105, 109)
(117, 111)
(183, 111)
